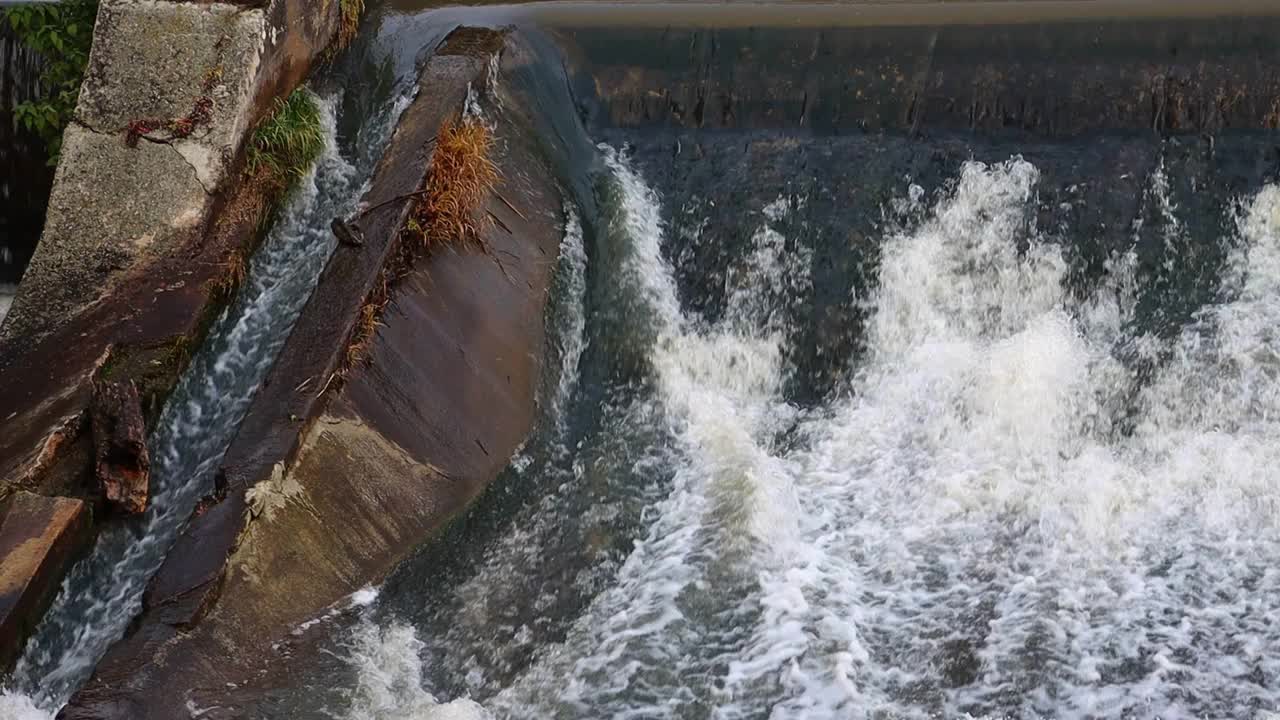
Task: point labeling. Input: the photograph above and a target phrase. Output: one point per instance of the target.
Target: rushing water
(1035, 486)
(104, 592)
(1005, 511)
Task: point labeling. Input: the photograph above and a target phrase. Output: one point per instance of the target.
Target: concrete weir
(139, 232)
(349, 459)
(1046, 68)
(342, 467)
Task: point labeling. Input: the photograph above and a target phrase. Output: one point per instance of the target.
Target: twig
(303, 384)
(498, 220)
(508, 204)
(384, 203)
(406, 196)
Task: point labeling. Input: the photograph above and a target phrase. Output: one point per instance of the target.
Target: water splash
(971, 531)
(389, 674)
(571, 284)
(1000, 517)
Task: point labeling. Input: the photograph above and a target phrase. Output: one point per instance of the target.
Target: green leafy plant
(62, 34)
(288, 142)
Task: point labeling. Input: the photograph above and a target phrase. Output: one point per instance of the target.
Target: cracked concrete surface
(115, 206)
(204, 165)
(111, 205)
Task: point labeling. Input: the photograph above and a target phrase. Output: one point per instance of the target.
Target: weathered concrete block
(111, 206)
(385, 458)
(158, 60)
(39, 538)
(170, 95)
(145, 213)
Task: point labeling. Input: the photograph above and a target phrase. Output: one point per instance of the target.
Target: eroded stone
(39, 538)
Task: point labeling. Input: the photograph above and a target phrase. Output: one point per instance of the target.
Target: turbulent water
(1025, 491)
(103, 593)
(1021, 503)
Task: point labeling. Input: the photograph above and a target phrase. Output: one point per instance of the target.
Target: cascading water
(1001, 514)
(103, 592)
(25, 177)
(1025, 490)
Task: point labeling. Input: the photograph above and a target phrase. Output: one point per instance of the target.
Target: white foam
(389, 679)
(999, 517)
(571, 278)
(16, 706)
(973, 504)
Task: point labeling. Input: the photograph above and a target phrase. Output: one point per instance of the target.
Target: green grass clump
(287, 143)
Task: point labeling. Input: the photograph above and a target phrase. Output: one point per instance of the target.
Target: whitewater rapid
(1005, 513)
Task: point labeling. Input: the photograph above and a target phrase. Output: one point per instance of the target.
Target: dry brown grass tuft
(459, 180)
(367, 324)
(232, 274)
(348, 21)
(447, 213)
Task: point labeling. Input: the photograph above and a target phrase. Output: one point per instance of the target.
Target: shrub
(62, 33)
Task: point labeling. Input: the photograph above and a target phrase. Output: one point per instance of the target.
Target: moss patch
(154, 368)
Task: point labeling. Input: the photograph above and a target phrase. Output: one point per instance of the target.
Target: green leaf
(58, 33)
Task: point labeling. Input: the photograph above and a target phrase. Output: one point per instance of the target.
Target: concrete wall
(1163, 74)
